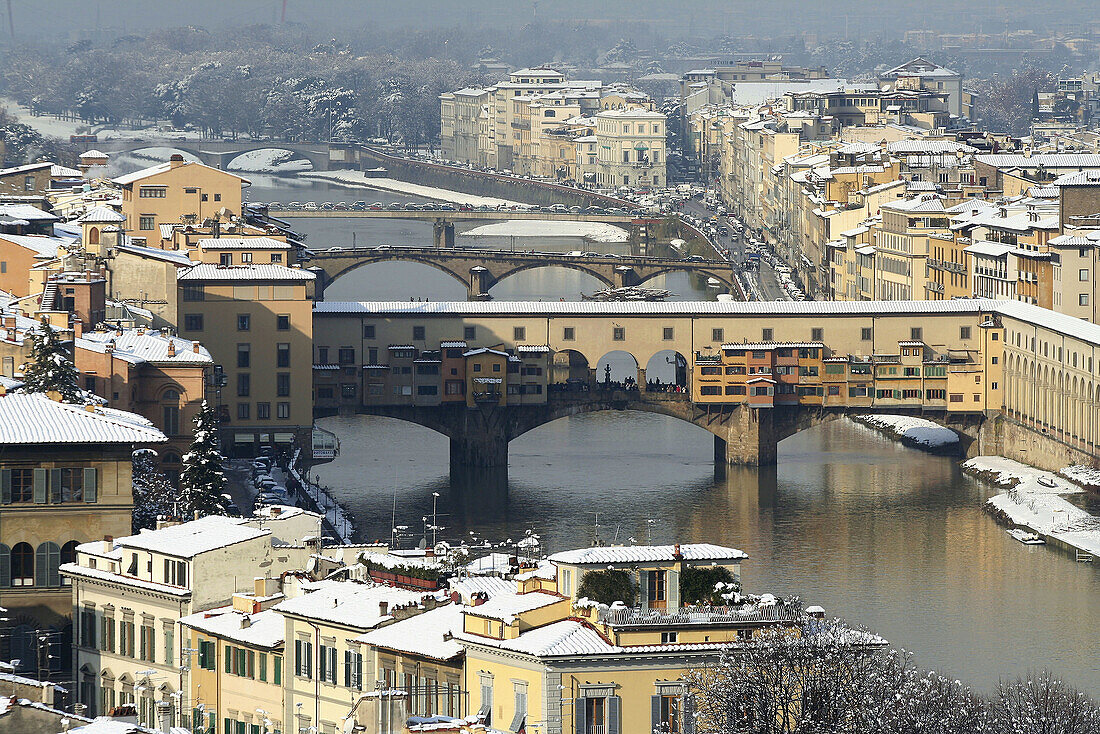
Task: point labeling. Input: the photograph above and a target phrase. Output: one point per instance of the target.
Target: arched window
(170, 396)
(22, 565)
(47, 559)
(68, 555)
(93, 236)
(170, 401)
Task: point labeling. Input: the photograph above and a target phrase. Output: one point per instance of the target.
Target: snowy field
(1035, 499)
(357, 179)
(916, 430)
(269, 160)
(594, 231)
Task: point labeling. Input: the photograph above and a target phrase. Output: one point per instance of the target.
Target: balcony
(935, 287)
(700, 615)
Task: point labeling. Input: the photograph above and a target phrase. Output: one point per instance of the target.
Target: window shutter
(347, 668)
(332, 664)
(614, 707)
(578, 715)
(53, 562)
(297, 657)
(654, 712)
(228, 725)
(672, 590)
(359, 671)
(228, 659)
(40, 486)
(643, 588)
(55, 486)
(687, 708)
(5, 486)
(90, 485)
(5, 566)
(41, 563)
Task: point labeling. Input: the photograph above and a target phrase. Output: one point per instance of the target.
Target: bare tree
(1042, 704)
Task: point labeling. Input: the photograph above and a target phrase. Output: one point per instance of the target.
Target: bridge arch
(624, 367)
(337, 267)
(669, 366)
(721, 278)
(579, 267)
(290, 157)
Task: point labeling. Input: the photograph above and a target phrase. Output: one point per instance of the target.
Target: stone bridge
(218, 153)
(480, 270)
(742, 434)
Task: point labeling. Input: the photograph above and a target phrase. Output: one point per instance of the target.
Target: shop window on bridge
(324, 393)
(710, 390)
(469, 332)
(761, 391)
(735, 390)
(569, 334)
(710, 370)
(817, 334)
(735, 370)
(916, 334)
(857, 392)
(418, 333)
(911, 371)
(834, 390)
(935, 394)
(834, 369)
(911, 394)
(346, 355)
(454, 387)
(667, 333)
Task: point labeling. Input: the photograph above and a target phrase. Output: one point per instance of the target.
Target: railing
(702, 615)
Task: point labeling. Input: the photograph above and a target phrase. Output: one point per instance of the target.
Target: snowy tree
(203, 482)
(154, 495)
(49, 367)
(1041, 704)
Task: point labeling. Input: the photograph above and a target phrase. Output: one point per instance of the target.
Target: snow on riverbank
(269, 160)
(914, 430)
(1034, 499)
(593, 231)
(357, 179)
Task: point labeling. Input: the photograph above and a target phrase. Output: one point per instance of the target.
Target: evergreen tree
(154, 495)
(49, 366)
(203, 482)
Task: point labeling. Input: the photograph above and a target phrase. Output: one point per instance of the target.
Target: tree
(608, 587)
(705, 585)
(49, 367)
(153, 493)
(203, 482)
(1041, 704)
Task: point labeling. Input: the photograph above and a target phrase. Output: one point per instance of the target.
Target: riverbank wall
(1000, 435)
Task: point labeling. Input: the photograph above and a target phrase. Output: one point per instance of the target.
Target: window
(207, 655)
(669, 714)
(244, 355)
(666, 333)
(368, 331)
(520, 706)
(171, 422)
(246, 257)
(717, 335)
(28, 183)
(282, 384)
(817, 334)
(282, 355)
(964, 332)
(418, 333)
(618, 333)
(519, 333)
(1083, 275)
(767, 335)
(147, 222)
(126, 638)
(244, 385)
(346, 355)
(1083, 299)
(282, 411)
(244, 322)
(326, 664)
(353, 669)
(303, 658)
(17, 485)
(282, 322)
(192, 322)
(669, 637)
(225, 259)
(568, 333)
(243, 411)
(263, 411)
(146, 640)
(915, 334)
(217, 197)
(194, 293)
(469, 332)
(152, 192)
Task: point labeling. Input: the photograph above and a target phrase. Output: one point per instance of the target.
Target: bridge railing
(341, 251)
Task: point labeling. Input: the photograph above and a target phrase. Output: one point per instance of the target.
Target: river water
(882, 535)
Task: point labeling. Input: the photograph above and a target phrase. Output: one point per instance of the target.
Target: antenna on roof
(597, 538)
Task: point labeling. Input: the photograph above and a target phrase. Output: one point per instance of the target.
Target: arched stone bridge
(480, 270)
(218, 153)
(742, 435)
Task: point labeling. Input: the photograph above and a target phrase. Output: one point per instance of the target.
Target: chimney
(171, 348)
(676, 552)
(195, 346)
(108, 543)
(383, 608)
(196, 514)
(176, 161)
(78, 328)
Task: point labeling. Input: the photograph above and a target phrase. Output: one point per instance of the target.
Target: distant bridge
(480, 270)
(450, 216)
(218, 153)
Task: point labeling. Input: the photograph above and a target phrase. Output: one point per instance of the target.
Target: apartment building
(631, 148)
(920, 73)
(64, 480)
(176, 191)
(257, 322)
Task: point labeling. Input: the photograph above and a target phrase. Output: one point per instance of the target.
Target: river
(885, 536)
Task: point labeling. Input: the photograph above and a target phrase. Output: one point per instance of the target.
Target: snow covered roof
(927, 204)
(452, 344)
(144, 173)
(545, 570)
(93, 153)
(1046, 160)
(492, 563)
(989, 249)
(559, 639)
(347, 603)
(771, 345)
(190, 539)
(28, 212)
(102, 215)
(428, 634)
(35, 419)
(928, 147)
(505, 607)
(1090, 177)
(172, 256)
(647, 554)
(264, 271)
(41, 245)
(145, 346)
(488, 585)
(243, 243)
(484, 350)
(263, 629)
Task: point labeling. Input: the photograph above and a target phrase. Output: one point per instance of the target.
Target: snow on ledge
(915, 430)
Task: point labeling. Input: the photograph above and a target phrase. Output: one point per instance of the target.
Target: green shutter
(277, 670)
(53, 563)
(55, 486)
(228, 655)
(90, 485)
(41, 563)
(654, 712)
(5, 566)
(40, 486)
(614, 711)
(263, 666)
(5, 486)
(228, 724)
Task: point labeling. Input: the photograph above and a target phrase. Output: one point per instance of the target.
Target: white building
(631, 148)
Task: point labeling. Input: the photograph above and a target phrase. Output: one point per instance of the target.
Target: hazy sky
(676, 17)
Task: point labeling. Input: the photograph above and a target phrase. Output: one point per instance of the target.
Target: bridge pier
(749, 437)
(443, 233)
(481, 280)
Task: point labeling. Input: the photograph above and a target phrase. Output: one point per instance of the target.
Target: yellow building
(64, 480)
(257, 322)
(177, 191)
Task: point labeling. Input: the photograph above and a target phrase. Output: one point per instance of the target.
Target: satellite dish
(311, 565)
